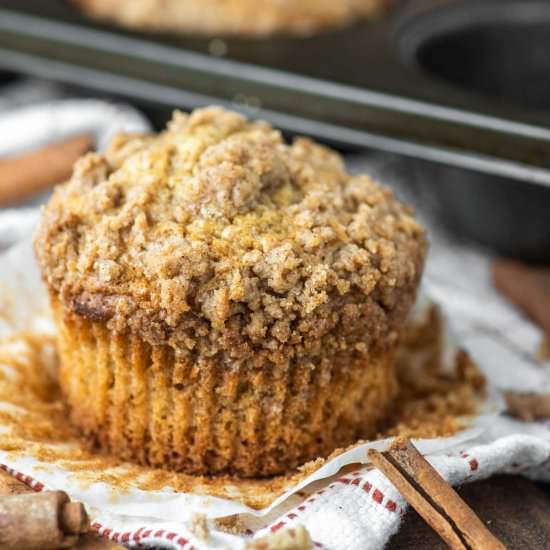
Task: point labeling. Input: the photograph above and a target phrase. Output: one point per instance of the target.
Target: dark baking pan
(7, 77)
(499, 50)
(361, 86)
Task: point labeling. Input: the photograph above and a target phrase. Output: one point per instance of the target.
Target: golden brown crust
(142, 404)
(250, 17)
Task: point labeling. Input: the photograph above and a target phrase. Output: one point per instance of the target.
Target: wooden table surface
(515, 509)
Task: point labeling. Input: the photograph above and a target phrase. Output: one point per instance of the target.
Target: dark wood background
(515, 509)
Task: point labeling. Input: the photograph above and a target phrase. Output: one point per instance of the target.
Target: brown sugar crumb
(232, 524)
(527, 406)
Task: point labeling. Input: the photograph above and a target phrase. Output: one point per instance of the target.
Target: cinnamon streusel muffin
(226, 303)
(251, 17)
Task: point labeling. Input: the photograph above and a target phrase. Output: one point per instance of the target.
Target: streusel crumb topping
(217, 234)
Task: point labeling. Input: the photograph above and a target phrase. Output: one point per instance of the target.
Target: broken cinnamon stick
(27, 521)
(28, 175)
(433, 498)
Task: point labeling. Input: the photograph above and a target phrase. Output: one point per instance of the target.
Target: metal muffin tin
(373, 85)
(499, 50)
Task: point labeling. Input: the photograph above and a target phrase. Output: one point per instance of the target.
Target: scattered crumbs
(434, 400)
(527, 406)
(199, 527)
(231, 524)
(292, 538)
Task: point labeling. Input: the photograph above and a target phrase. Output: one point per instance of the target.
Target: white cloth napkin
(357, 510)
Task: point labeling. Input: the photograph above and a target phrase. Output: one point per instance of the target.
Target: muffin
(249, 17)
(226, 302)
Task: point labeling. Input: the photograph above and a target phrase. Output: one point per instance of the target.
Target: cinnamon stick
(431, 496)
(28, 175)
(526, 287)
(27, 520)
(41, 521)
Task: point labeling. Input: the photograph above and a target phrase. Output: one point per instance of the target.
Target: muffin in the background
(247, 17)
(226, 303)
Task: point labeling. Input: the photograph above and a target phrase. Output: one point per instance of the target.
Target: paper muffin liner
(142, 403)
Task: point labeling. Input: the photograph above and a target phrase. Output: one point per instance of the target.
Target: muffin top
(250, 17)
(217, 235)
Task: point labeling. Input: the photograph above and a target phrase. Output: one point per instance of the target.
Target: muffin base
(143, 404)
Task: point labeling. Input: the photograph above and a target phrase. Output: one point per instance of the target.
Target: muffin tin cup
(497, 49)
